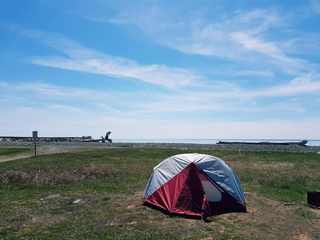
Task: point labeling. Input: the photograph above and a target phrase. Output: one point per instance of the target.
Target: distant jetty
(43, 139)
(57, 139)
(300, 143)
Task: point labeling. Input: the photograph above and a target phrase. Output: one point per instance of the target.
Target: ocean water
(213, 141)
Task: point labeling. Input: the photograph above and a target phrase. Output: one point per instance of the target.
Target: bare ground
(42, 151)
(266, 219)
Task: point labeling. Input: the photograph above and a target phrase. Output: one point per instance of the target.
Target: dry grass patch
(53, 177)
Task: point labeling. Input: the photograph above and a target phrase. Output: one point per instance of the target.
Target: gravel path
(238, 147)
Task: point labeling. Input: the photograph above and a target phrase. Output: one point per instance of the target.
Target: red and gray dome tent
(195, 184)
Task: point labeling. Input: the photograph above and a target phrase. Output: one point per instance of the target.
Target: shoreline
(187, 146)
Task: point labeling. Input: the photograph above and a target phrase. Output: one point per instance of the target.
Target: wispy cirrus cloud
(253, 44)
(84, 59)
(277, 57)
(123, 68)
(202, 99)
(308, 84)
(49, 91)
(302, 85)
(305, 84)
(242, 36)
(290, 106)
(129, 107)
(194, 34)
(315, 6)
(310, 8)
(254, 73)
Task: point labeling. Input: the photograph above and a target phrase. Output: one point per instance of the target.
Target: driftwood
(289, 204)
(107, 137)
(301, 143)
(102, 139)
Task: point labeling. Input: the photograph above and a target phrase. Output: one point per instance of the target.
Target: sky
(159, 69)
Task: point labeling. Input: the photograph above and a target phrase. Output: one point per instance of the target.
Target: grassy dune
(97, 194)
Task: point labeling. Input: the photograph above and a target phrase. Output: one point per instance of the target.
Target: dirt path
(40, 151)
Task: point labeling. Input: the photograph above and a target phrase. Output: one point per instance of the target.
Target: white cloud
(310, 8)
(108, 108)
(254, 44)
(86, 60)
(210, 99)
(182, 105)
(190, 33)
(47, 91)
(290, 106)
(254, 73)
(288, 64)
(123, 68)
(315, 5)
(306, 84)
(121, 103)
(302, 85)
(235, 37)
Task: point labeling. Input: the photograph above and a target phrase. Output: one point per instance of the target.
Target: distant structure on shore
(301, 143)
(56, 139)
(102, 139)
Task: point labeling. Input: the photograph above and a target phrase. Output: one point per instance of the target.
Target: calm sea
(213, 141)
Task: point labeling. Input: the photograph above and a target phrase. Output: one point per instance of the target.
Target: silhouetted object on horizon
(102, 139)
(107, 137)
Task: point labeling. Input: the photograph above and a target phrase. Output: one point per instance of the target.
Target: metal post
(35, 136)
(35, 147)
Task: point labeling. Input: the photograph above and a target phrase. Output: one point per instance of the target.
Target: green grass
(14, 151)
(35, 193)
(283, 176)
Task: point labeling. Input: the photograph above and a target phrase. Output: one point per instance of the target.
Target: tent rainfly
(196, 185)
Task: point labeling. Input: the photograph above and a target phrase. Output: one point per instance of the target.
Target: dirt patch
(266, 219)
(52, 196)
(42, 151)
(302, 237)
(19, 156)
(264, 166)
(46, 219)
(276, 220)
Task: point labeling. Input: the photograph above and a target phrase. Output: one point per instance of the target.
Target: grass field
(97, 194)
(13, 151)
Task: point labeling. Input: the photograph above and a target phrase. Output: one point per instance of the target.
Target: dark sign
(35, 134)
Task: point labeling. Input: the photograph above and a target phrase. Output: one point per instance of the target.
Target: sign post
(35, 136)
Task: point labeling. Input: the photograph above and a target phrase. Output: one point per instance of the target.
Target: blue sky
(160, 69)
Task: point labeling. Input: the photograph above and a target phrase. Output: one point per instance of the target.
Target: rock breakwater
(42, 139)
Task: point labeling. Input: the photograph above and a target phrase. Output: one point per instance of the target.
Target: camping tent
(195, 184)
